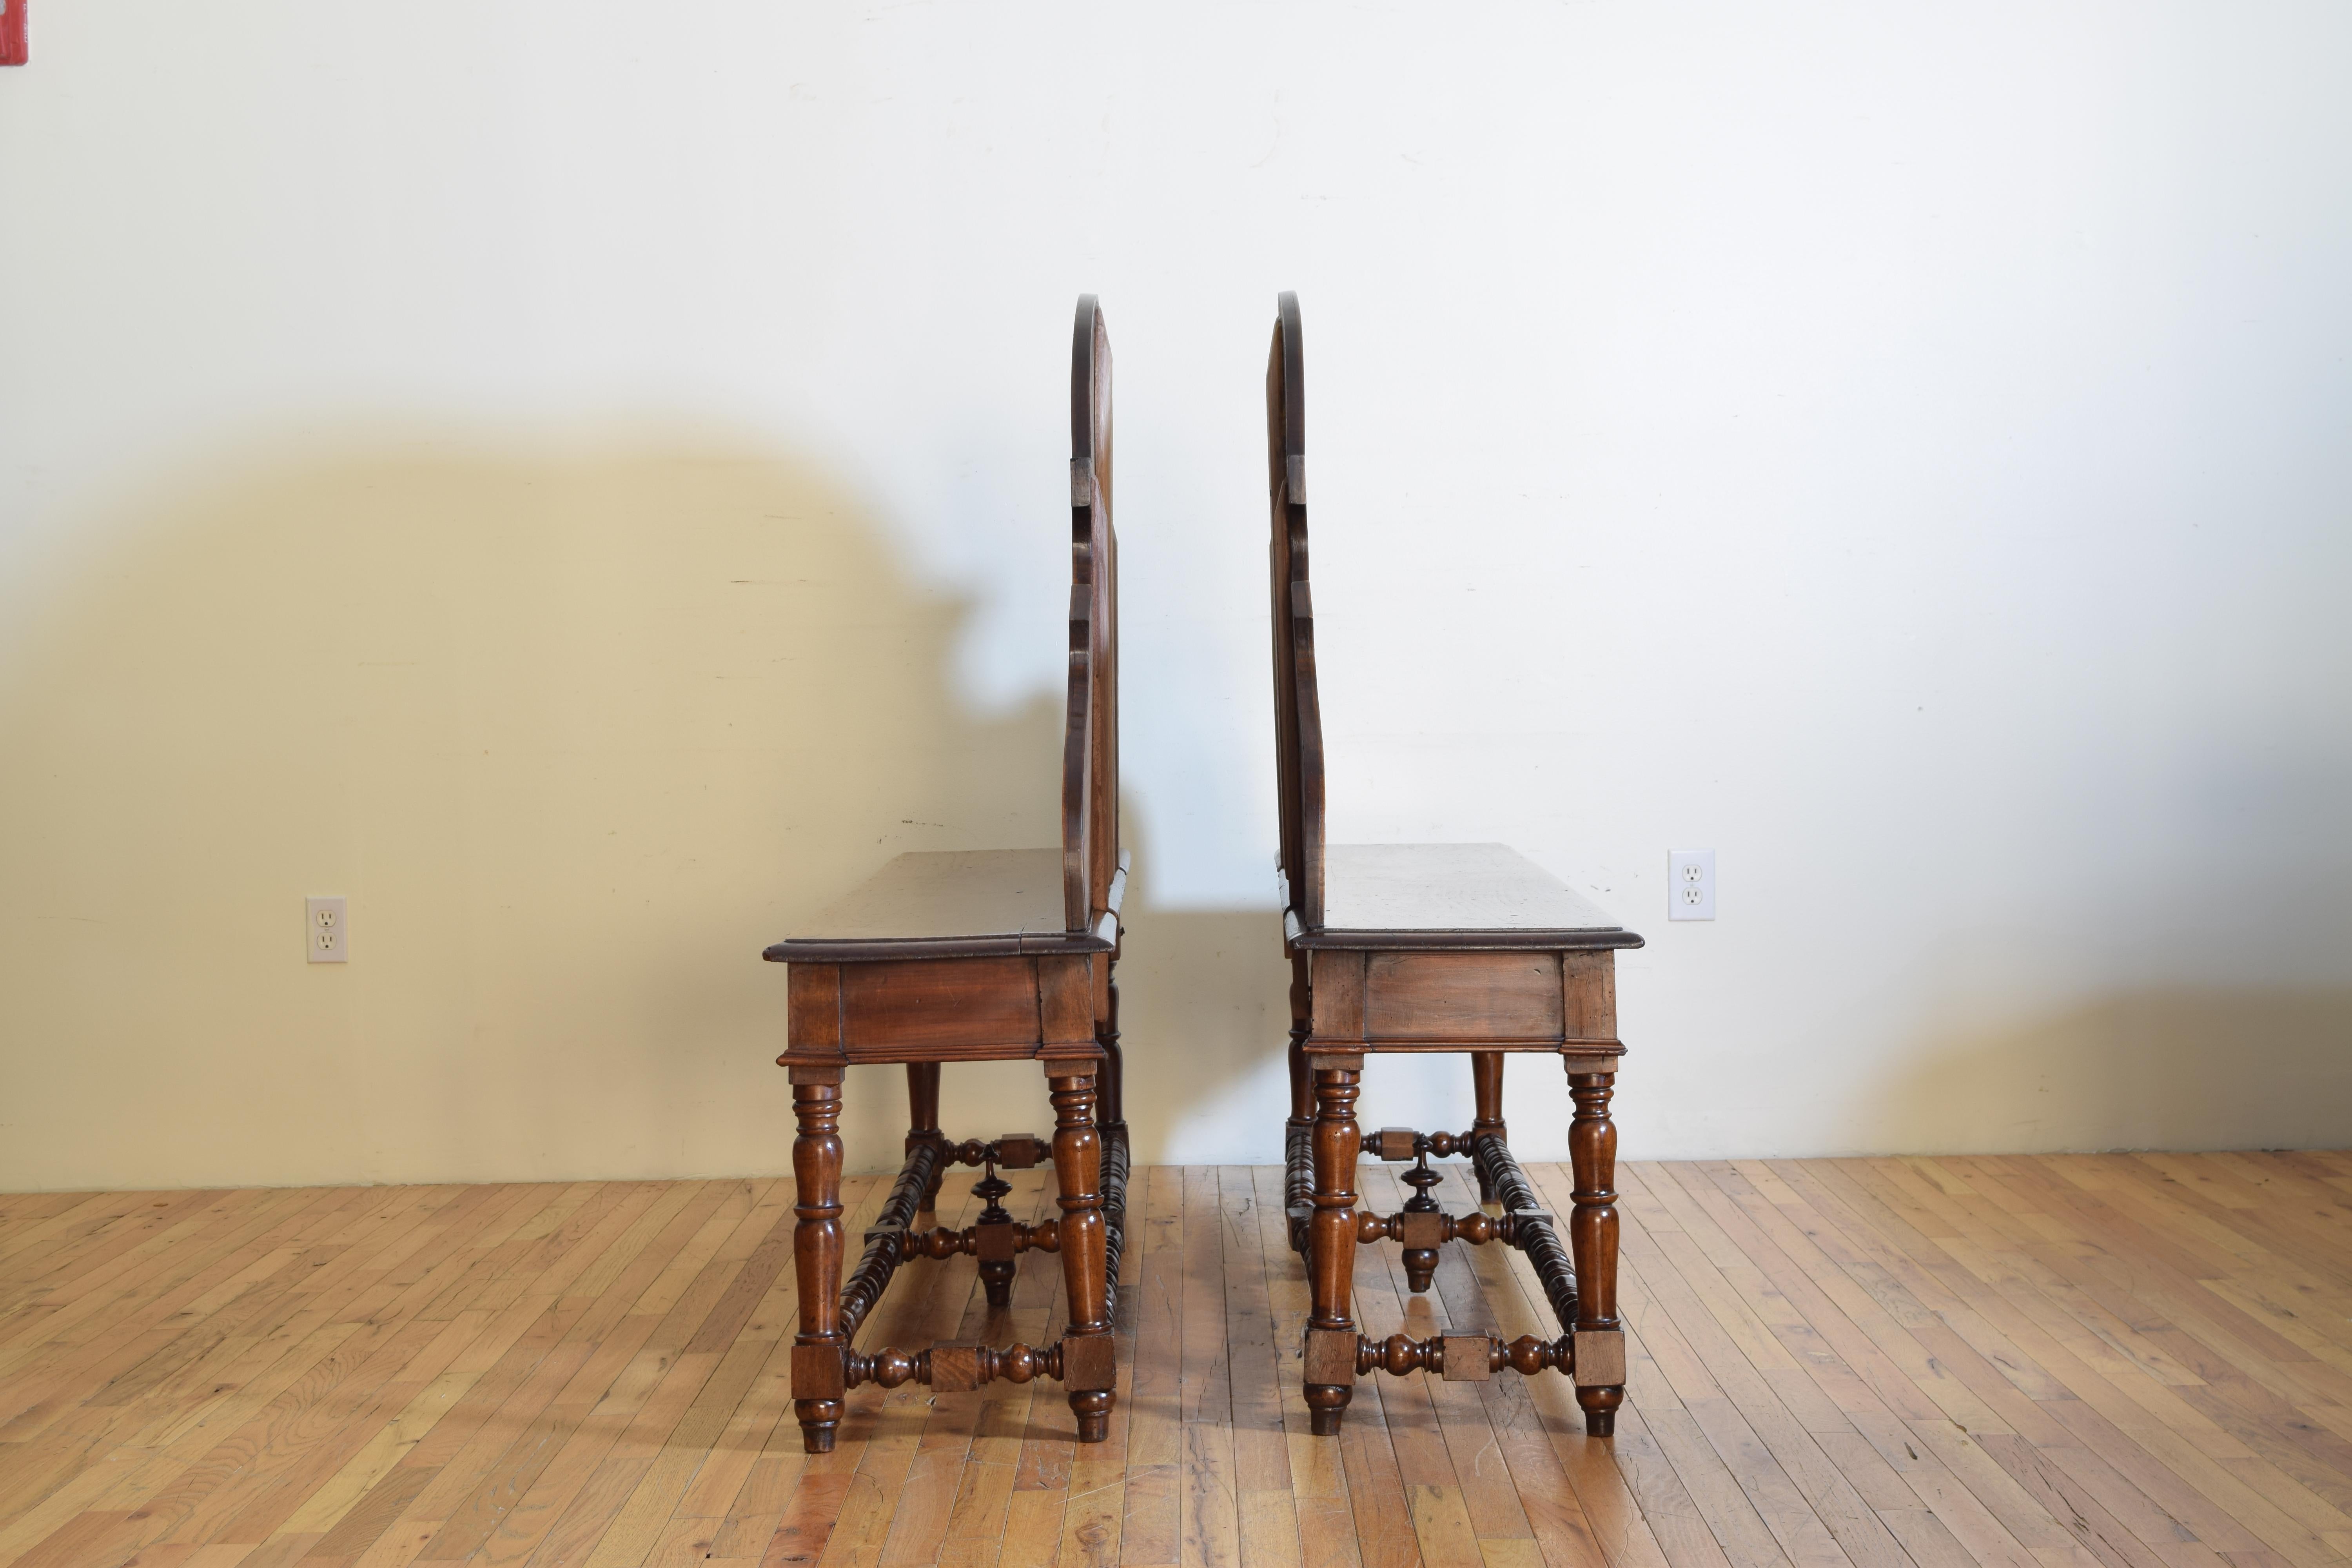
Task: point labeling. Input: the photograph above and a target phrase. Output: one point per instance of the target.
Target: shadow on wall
(2154, 1069)
(1205, 1012)
(576, 734)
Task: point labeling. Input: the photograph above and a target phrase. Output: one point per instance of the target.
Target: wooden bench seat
(980, 956)
(1420, 948)
(952, 903)
(1458, 896)
(953, 955)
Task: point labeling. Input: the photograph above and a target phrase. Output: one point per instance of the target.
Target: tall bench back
(1298, 713)
(1090, 740)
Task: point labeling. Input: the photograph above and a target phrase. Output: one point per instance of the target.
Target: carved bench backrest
(1298, 715)
(1090, 740)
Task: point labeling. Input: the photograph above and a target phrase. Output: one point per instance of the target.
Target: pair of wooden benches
(1011, 954)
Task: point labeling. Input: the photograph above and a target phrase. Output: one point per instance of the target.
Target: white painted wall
(1904, 449)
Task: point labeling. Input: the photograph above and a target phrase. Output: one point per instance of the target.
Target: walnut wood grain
(932, 1002)
(934, 1009)
(1420, 948)
(1452, 896)
(1077, 1172)
(1299, 718)
(1592, 1237)
(1420, 1000)
(1066, 1000)
(1536, 1235)
(951, 904)
(978, 956)
(1090, 737)
(812, 1007)
(1462, 997)
(818, 1348)
(923, 1124)
(885, 1237)
(1331, 1250)
(1487, 1088)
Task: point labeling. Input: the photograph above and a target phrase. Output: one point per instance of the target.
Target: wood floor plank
(624, 1426)
(924, 1509)
(2248, 1409)
(1726, 1329)
(525, 1518)
(2133, 1361)
(303, 1502)
(1317, 1467)
(1477, 1289)
(1210, 1534)
(239, 1458)
(1771, 1226)
(1473, 1447)
(1267, 1506)
(1151, 1511)
(91, 1326)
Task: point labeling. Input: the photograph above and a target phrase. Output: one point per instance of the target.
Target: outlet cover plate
(327, 929)
(1690, 884)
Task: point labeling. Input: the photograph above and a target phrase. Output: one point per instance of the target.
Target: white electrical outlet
(1690, 884)
(329, 935)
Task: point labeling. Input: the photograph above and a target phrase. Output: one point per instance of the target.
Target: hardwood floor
(2138, 1361)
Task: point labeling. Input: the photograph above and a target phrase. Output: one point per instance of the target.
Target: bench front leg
(1088, 1360)
(1487, 1085)
(820, 1351)
(1592, 1239)
(1331, 1245)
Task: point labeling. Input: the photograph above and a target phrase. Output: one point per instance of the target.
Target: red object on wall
(12, 33)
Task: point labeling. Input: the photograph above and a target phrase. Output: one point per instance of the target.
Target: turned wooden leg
(1112, 1074)
(1331, 1246)
(923, 1127)
(1111, 1116)
(1592, 1238)
(1487, 1083)
(1298, 1131)
(996, 1266)
(1302, 1082)
(1088, 1369)
(819, 1350)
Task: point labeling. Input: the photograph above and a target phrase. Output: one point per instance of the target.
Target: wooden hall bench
(960, 957)
(1428, 947)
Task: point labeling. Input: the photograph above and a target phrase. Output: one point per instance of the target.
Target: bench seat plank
(947, 906)
(958, 904)
(1455, 895)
